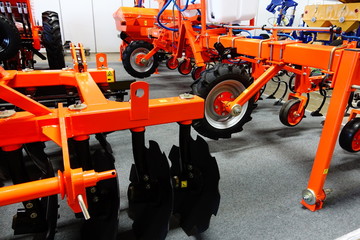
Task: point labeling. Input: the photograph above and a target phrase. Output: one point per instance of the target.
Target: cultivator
(88, 179)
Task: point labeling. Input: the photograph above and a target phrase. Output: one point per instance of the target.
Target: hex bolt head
(146, 178)
(33, 215)
(147, 186)
(29, 205)
(93, 189)
(186, 96)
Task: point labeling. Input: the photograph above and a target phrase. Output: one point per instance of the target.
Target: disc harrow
(88, 179)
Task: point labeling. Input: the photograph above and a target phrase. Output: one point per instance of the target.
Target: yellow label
(163, 100)
(326, 171)
(183, 184)
(110, 76)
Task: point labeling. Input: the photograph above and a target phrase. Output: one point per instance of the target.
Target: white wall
(91, 23)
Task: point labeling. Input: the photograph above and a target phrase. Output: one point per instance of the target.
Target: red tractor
(21, 38)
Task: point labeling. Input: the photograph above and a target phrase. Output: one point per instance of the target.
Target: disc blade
(151, 205)
(201, 198)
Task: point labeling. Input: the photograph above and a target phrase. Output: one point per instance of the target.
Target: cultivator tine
(196, 175)
(150, 193)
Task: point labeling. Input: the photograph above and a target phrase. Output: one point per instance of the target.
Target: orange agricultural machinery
(176, 36)
(229, 90)
(21, 38)
(188, 189)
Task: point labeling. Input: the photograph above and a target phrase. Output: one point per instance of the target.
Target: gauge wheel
(51, 39)
(10, 40)
(172, 63)
(289, 115)
(185, 67)
(219, 85)
(196, 72)
(349, 138)
(132, 56)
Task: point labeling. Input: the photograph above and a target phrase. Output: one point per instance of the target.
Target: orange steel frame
(39, 123)
(339, 65)
(270, 56)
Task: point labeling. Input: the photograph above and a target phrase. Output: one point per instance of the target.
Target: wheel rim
(185, 67)
(293, 116)
(4, 42)
(355, 144)
(172, 63)
(135, 57)
(215, 111)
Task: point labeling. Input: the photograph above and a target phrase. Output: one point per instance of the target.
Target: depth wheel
(223, 83)
(172, 63)
(132, 55)
(289, 115)
(349, 138)
(51, 39)
(185, 67)
(196, 72)
(10, 41)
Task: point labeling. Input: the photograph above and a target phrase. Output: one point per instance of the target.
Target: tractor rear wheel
(349, 138)
(51, 39)
(132, 55)
(218, 85)
(10, 40)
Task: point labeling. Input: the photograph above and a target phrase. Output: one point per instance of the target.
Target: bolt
(33, 215)
(29, 205)
(216, 107)
(190, 167)
(143, 61)
(146, 178)
(304, 74)
(307, 197)
(191, 175)
(95, 199)
(236, 110)
(93, 189)
(186, 96)
(147, 186)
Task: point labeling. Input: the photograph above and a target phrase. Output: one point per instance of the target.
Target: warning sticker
(183, 184)
(110, 76)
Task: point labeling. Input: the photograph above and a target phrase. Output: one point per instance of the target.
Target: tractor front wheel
(349, 138)
(217, 86)
(289, 114)
(132, 56)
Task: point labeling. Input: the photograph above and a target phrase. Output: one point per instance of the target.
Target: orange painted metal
(96, 114)
(345, 77)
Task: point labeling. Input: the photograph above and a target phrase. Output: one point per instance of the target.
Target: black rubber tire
(51, 39)
(348, 134)
(10, 41)
(285, 111)
(226, 78)
(129, 57)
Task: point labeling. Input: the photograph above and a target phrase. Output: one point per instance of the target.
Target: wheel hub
(220, 103)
